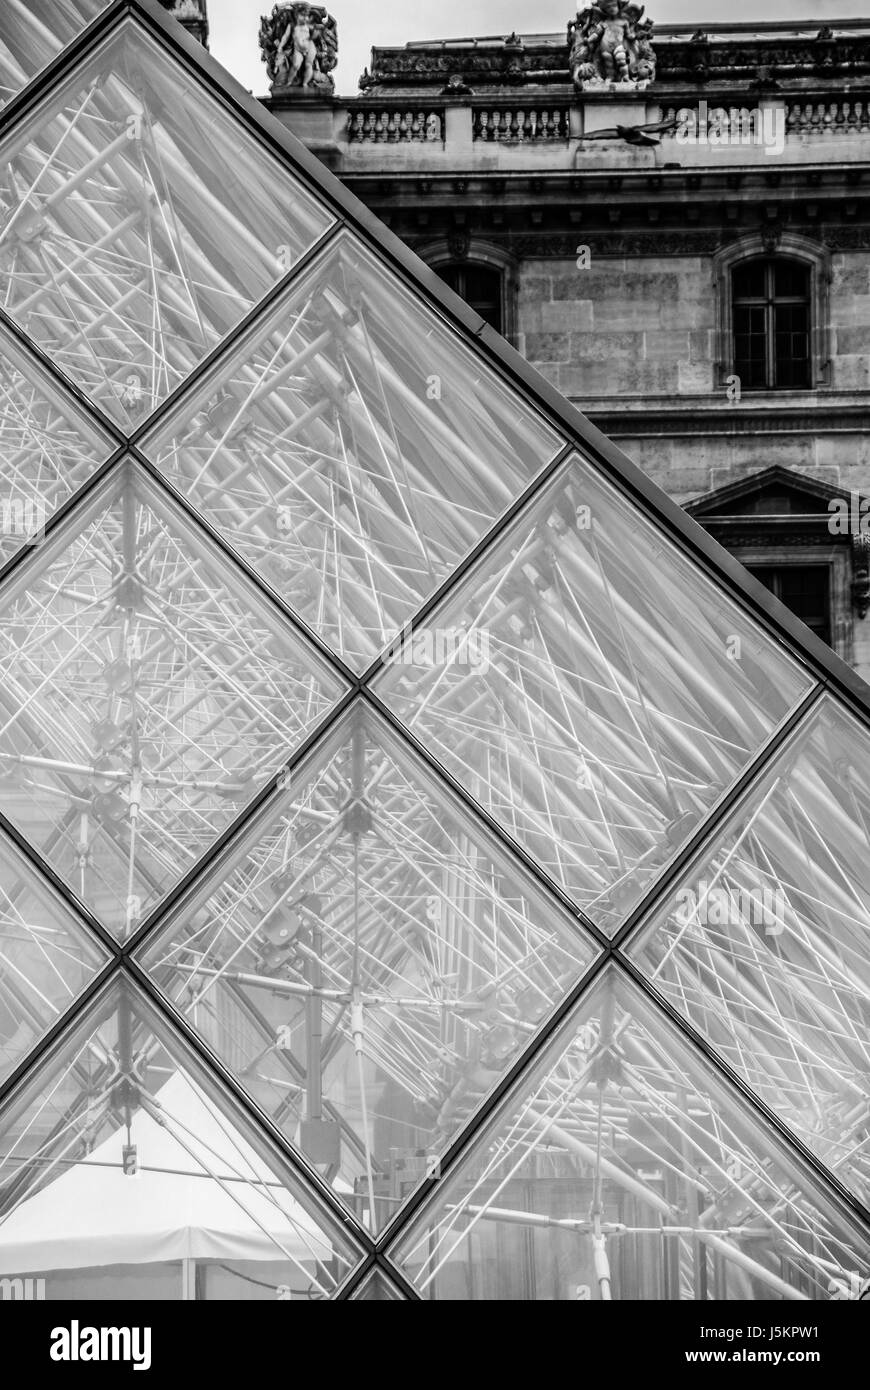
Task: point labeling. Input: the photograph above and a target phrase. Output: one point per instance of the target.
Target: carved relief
(610, 45)
(299, 44)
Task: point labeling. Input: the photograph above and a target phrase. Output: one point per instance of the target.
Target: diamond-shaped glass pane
(33, 32)
(353, 449)
(127, 1173)
(140, 223)
(147, 692)
(622, 1167)
(593, 689)
(47, 956)
(369, 963)
(765, 945)
(48, 448)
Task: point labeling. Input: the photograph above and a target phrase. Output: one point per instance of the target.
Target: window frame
(785, 246)
(485, 256)
(769, 302)
(837, 558)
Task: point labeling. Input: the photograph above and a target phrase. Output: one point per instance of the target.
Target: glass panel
(353, 449)
(750, 281)
(127, 1173)
(32, 32)
(48, 448)
(765, 946)
(147, 693)
(622, 1168)
(368, 963)
(141, 223)
(593, 689)
(791, 280)
(377, 1288)
(792, 344)
(46, 955)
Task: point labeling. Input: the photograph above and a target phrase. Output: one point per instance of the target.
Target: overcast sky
(235, 24)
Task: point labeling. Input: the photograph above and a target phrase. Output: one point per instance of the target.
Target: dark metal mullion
(513, 847)
(271, 597)
(465, 1139)
(67, 895)
(697, 1040)
(69, 1016)
(478, 550)
(213, 1065)
(58, 518)
(227, 344)
(374, 1263)
(236, 829)
(100, 423)
(469, 1132)
(46, 80)
(716, 816)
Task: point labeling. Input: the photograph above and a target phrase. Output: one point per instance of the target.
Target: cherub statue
(610, 44)
(299, 43)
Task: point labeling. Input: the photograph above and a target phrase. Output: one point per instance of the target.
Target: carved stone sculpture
(610, 44)
(299, 44)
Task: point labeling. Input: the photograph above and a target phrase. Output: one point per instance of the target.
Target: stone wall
(643, 333)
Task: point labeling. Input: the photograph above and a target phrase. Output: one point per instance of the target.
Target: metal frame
(828, 671)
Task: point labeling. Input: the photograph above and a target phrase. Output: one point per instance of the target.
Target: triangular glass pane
(126, 1172)
(593, 689)
(33, 32)
(48, 448)
(148, 692)
(141, 223)
(765, 943)
(368, 962)
(377, 1288)
(353, 448)
(623, 1167)
(47, 956)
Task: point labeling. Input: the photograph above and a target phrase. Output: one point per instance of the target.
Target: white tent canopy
(94, 1215)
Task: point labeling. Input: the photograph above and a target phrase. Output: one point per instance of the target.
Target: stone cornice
(824, 417)
(775, 58)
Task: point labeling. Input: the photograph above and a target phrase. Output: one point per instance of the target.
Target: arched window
(771, 323)
(481, 288)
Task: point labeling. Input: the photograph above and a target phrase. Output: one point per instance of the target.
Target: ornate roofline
(772, 55)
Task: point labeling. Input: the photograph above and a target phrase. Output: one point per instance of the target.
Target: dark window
(771, 324)
(480, 287)
(805, 589)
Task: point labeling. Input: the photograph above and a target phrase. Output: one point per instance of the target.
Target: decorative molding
(746, 419)
(702, 242)
(695, 62)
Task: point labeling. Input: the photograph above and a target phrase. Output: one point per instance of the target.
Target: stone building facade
(684, 254)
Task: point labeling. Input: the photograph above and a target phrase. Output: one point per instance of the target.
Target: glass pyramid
(429, 869)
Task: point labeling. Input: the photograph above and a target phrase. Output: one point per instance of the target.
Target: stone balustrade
(395, 125)
(521, 123)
